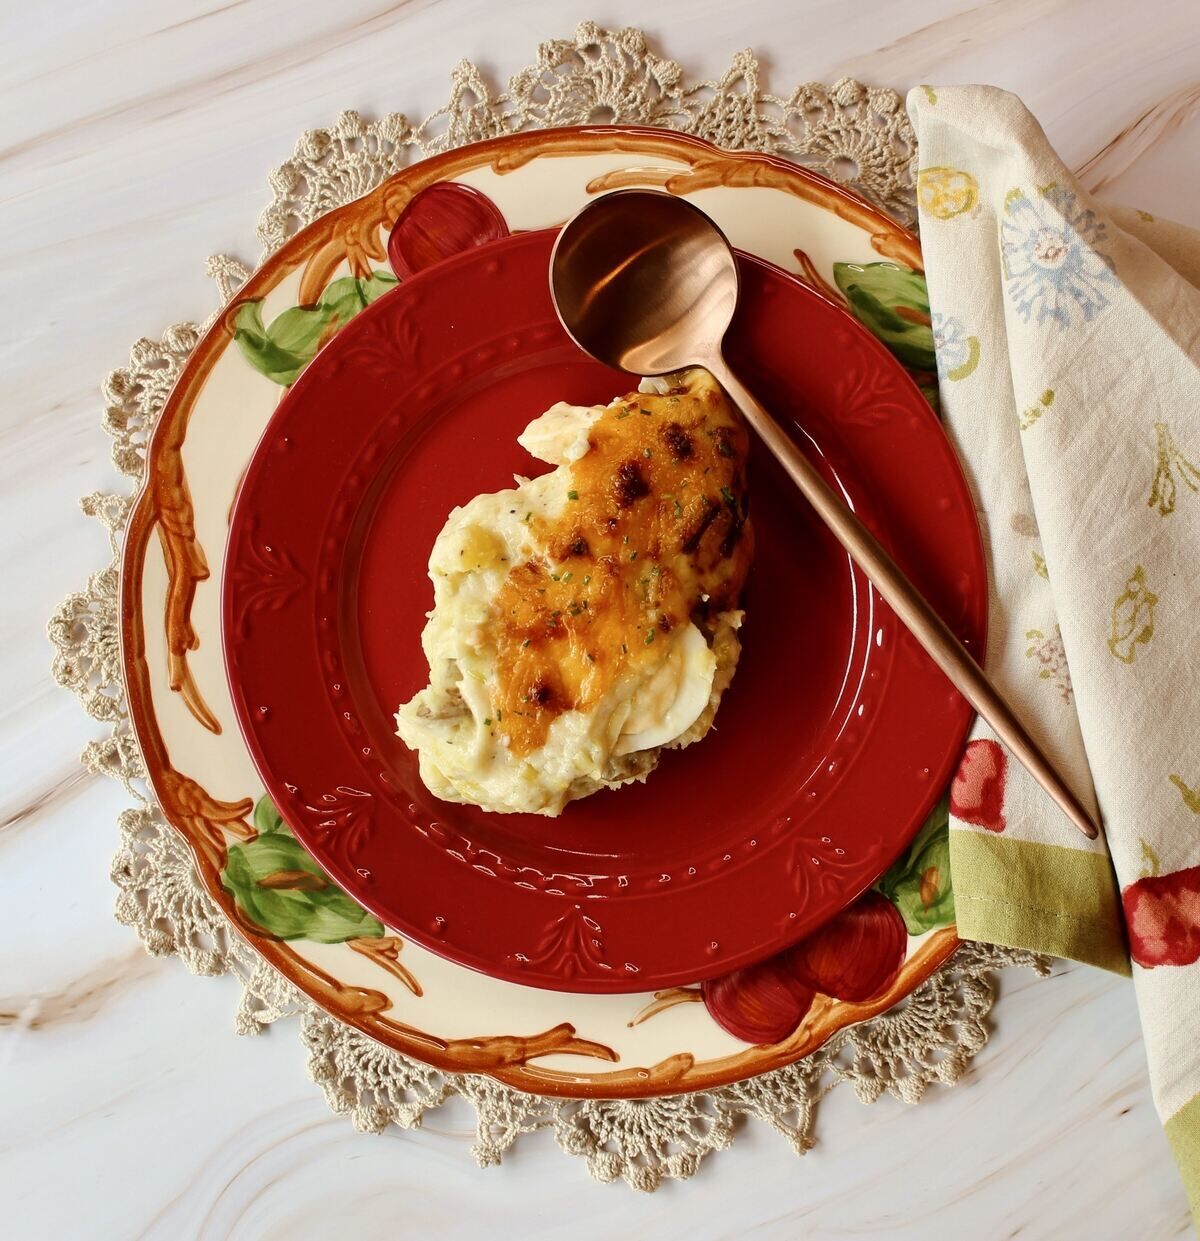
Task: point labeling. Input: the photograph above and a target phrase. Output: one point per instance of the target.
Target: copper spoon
(645, 282)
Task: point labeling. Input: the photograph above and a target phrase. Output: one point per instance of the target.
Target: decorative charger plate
(736, 847)
(398, 992)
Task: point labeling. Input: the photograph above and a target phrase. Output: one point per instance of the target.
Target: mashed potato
(587, 619)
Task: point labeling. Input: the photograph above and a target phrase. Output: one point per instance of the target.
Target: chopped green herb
(643, 409)
(590, 657)
(527, 517)
(678, 509)
(524, 644)
(625, 539)
(655, 571)
(572, 495)
(724, 449)
(624, 649)
(499, 716)
(566, 577)
(554, 577)
(487, 722)
(587, 577)
(726, 495)
(649, 637)
(647, 453)
(625, 413)
(633, 555)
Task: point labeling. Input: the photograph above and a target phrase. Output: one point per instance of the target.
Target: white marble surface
(134, 140)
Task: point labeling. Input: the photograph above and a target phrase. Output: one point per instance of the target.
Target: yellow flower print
(1191, 797)
(946, 192)
(930, 94)
(1168, 461)
(1025, 525)
(1132, 621)
(1034, 412)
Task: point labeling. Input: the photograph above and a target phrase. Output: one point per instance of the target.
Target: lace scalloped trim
(856, 135)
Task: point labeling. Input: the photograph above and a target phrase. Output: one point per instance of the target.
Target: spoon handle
(906, 601)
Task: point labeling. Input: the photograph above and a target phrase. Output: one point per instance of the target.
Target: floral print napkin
(1068, 350)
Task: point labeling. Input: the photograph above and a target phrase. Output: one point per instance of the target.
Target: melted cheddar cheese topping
(653, 535)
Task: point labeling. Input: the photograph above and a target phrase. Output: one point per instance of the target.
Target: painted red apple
(855, 956)
(760, 1003)
(1162, 914)
(977, 794)
(440, 221)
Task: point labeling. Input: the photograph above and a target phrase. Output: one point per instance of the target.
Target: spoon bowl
(644, 282)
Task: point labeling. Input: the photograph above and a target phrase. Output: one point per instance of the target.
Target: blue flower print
(1051, 265)
(957, 353)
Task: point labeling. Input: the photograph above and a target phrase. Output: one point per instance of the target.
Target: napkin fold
(1068, 347)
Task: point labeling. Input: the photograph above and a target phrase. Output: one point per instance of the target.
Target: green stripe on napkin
(1046, 898)
(1183, 1132)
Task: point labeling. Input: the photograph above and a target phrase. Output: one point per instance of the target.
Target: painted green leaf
(893, 304)
(283, 349)
(279, 887)
(267, 819)
(298, 331)
(277, 363)
(344, 298)
(918, 883)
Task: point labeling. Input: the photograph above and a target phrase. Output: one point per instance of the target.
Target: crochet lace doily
(855, 134)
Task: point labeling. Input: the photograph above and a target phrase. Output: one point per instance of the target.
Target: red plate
(832, 745)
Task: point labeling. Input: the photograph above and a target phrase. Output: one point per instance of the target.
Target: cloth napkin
(1067, 336)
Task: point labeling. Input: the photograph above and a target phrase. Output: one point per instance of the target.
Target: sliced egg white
(560, 435)
(672, 699)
